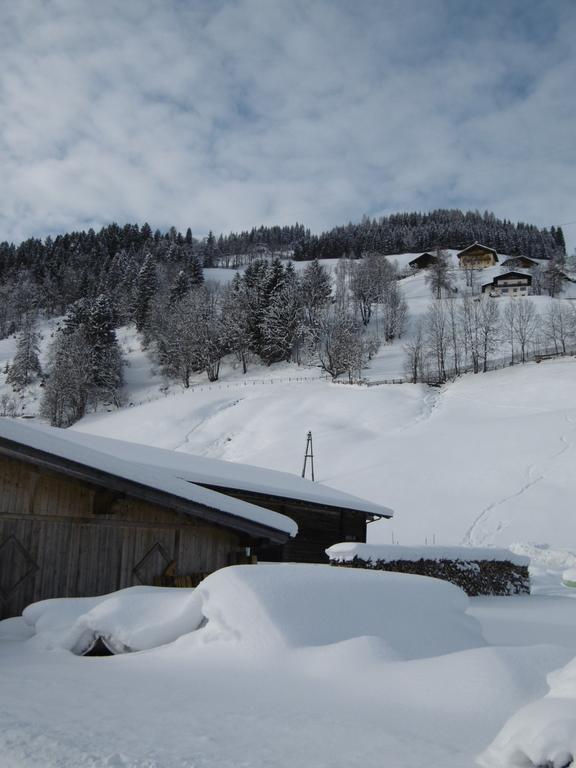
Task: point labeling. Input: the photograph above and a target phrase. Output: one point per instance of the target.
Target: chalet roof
(478, 245)
(191, 484)
(512, 273)
(505, 275)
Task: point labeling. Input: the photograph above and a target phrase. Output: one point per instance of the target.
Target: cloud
(223, 114)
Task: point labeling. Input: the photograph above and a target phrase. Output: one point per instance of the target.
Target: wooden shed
(424, 261)
(83, 515)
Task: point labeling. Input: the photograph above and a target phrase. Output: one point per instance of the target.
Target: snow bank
(274, 606)
(348, 551)
(133, 619)
(544, 556)
(269, 607)
(543, 733)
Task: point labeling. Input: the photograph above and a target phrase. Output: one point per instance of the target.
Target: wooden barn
(83, 515)
(477, 256)
(424, 261)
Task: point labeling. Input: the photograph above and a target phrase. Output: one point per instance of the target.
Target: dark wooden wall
(62, 537)
(318, 527)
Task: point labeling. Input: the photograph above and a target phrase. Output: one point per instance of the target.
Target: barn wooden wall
(318, 528)
(62, 537)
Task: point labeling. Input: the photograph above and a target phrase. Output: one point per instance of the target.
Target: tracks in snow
(472, 537)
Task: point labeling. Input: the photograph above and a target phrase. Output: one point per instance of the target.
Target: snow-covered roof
(228, 474)
(476, 244)
(392, 552)
(193, 478)
(55, 446)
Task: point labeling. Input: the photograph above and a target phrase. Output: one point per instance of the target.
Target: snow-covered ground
(296, 666)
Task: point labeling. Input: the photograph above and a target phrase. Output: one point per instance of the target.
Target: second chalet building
(84, 515)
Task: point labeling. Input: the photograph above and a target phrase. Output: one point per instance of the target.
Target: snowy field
(369, 669)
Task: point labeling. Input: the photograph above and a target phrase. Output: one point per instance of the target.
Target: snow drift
(134, 619)
(269, 607)
(542, 733)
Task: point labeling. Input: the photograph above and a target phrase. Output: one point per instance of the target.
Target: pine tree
(195, 270)
(105, 356)
(26, 364)
(316, 290)
(283, 323)
(145, 289)
(180, 287)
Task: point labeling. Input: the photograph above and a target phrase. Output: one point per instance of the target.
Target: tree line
(443, 228)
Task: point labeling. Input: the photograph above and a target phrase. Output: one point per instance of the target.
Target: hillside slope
(487, 459)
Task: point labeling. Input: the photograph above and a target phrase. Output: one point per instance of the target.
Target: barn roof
(186, 479)
(53, 449)
(216, 473)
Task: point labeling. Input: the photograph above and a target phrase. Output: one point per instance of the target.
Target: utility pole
(308, 455)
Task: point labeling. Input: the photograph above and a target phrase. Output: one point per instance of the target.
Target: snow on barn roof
(192, 478)
(57, 449)
(231, 475)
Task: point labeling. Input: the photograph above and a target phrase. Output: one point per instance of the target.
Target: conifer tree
(26, 364)
(145, 289)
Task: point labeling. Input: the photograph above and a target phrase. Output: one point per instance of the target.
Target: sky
(228, 114)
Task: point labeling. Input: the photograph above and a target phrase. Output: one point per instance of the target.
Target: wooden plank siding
(319, 526)
(60, 537)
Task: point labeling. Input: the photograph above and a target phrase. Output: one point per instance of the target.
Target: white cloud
(227, 114)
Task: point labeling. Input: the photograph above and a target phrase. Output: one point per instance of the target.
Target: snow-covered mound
(542, 733)
(295, 605)
(134, 619)
(269, 607)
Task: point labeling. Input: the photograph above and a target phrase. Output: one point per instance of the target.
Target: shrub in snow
(478, 571)
(543, 734)
(270, 607)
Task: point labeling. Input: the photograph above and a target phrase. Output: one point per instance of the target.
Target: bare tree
(470, 319)
(558, 326)
(489, 321)
(415, 351)
(521, 316)
(437, 336)
(394, 311)
(438, 275)
(341, 346)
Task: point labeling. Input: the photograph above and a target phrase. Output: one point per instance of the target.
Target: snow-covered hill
(487, 459)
